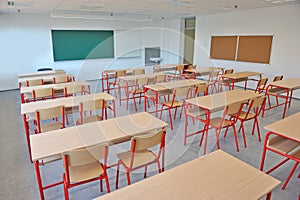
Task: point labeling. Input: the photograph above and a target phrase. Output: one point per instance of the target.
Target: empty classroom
(160, 99)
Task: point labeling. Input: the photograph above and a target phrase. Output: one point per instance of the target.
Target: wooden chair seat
(140, 157)
(172, 104)
(89, 119)
(51, 126)
(296, 154)
(85, 172)
(243, 115)
(196, 112)
(216, 122)
(282, 144)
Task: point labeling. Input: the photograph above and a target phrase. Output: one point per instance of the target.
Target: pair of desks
(28, 109)
(112, 131)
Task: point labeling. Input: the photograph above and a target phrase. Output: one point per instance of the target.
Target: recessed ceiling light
(276, 2)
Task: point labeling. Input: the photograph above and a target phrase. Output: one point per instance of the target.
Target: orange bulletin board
(223, 47)
(252, 48)
(255, 49)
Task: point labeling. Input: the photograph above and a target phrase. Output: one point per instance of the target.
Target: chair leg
(145, 173)
(185, 129)
(133, 96)
(235, 137)
(205, 143)
(162, 108)
(171, 124)
(226, 131)
(158, 166)
(65, 188)
(117, 175)
(175, 112)
(128, 177)
(217, 137)
(258, 131)
(290, 175)
(244, 136)
(107, 184)
(101, 186)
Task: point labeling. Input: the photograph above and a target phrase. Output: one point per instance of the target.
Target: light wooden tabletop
(28, 108)
(113, 130)
(135, 77)
(46, 77)
(54, 86)
(287, 126)
(204, 70)
(290, 83)
(218, 101)
(217, 175)
(174, 84)
(241, 75)
(41, 73)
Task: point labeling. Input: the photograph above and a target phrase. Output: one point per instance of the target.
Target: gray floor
(18, 179)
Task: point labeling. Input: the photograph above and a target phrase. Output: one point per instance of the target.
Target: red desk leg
(26, 127)
(269, 195)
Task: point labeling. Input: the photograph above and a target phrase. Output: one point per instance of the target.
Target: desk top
(54, 86)
(27, 108)
(41, 73)
(44, 77)
(135, 77)
(113, 131)
(290, 83)
(287, 126)
(217, 175)
(241, 75)
(174, 84)
(218, 101)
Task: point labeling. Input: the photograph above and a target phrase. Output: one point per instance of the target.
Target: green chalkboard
(82, 44)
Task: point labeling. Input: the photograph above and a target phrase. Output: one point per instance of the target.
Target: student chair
(219, 123)
(225, 82)
(140, 156)
(137, 91)
(83, 166)
(213, 81)
(179, 94)
(138, 71)
(34, 82)
(255, 105)
(114, 83)
(96, 109)
(43, 115)
(261, 85)
(177, 74)
(42, 94)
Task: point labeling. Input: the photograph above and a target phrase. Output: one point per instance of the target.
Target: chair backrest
(73, 89)
(156, 68)
(61, 79)
(261, 84)
(143, 142)
(159, 78)
(138, 71)
(201, 88)
(84, 156)
(42, 93)
(277, 78)
(228, 71)
(120, 73)
(256, 104)
(231, 109)
(142, 81)
(49, 113)
(179, 69)
(213, 76)
(90, 105)
(182, 92)
(34, 82)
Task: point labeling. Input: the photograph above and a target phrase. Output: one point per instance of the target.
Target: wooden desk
(28, 109)
(110, 74)
(167, 88)
(58, 86)
(46, 78)
(282, 89)
(113, 131)
(217, 175)
(127, 81)
(203, 71)
(283, 138)
(40, 73)
(165, 67)
(240, 77)
(216, 102)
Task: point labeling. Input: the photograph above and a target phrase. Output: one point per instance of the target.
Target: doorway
(189, 40)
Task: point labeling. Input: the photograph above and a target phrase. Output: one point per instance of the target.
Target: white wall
(25, 45)
(282, 22)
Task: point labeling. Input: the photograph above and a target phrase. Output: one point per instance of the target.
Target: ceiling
(139, 9)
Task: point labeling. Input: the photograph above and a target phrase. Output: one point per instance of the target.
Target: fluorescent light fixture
(100, 16)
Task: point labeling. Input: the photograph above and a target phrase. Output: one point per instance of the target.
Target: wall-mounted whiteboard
(128, 43)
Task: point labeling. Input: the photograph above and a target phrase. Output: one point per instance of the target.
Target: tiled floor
(18, 179)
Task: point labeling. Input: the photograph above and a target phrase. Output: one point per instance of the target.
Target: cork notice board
(255, 49)
(223, 47)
